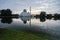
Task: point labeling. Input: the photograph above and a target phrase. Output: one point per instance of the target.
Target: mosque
(25, 13)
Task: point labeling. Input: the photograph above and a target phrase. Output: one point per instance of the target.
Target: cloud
(52, 5)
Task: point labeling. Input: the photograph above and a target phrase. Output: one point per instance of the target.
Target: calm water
(48, 26)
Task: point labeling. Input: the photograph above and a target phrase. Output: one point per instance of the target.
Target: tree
(43, 14)
(6, 12)
(3, 12)
(49, 16)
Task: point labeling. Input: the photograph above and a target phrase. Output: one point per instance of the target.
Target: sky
(17, 6)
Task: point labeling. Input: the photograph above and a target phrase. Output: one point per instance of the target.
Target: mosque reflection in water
(6, 16)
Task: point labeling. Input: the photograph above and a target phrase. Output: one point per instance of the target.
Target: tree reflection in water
(7, 16)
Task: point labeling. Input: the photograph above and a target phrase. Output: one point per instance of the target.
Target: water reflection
(25, 19)
(8, 18)
(25, 16)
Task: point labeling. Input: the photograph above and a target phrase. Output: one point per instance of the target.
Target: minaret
(30, 16)
(30, 9)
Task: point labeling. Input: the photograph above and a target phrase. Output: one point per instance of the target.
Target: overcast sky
(50, 6)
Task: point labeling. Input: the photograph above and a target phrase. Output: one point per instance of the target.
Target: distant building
(25, 13)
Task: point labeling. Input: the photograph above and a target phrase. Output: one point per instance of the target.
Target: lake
(35, 24)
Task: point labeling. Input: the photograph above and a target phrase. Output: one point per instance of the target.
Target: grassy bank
(6, 34)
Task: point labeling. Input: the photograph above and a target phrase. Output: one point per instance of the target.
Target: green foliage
(6, 34)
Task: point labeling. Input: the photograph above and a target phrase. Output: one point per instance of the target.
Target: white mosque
(25, 13)
(25, 16)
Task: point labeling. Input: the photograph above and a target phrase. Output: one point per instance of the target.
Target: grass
(6, 34)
